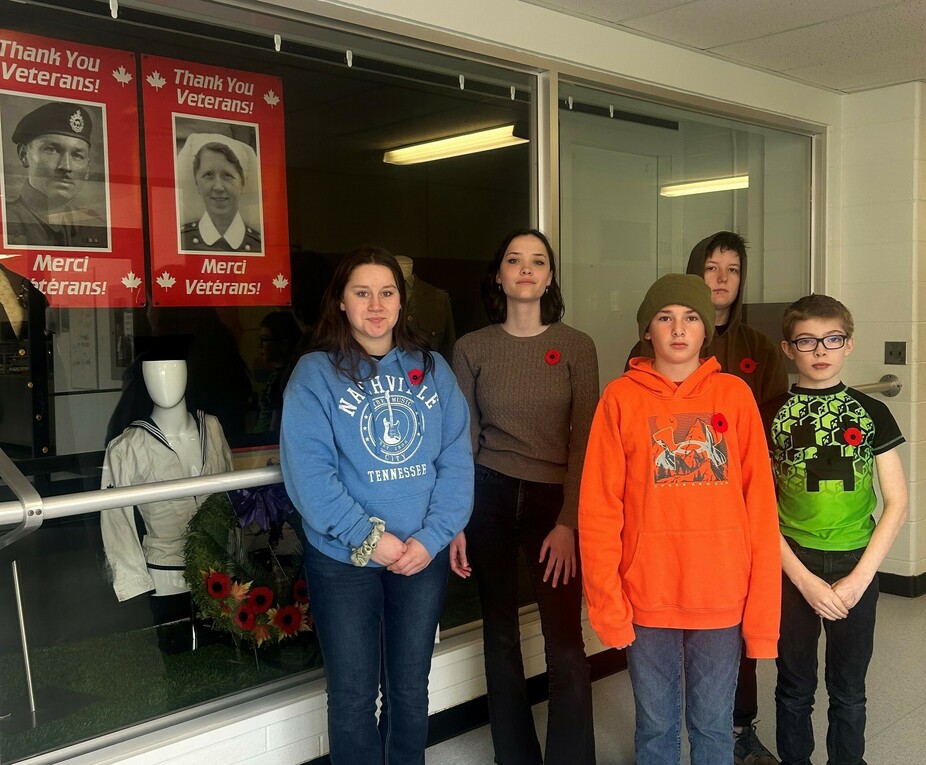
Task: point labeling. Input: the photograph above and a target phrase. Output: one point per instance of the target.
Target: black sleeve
(887, 431)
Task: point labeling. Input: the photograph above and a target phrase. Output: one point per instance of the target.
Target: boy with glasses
(826, 441)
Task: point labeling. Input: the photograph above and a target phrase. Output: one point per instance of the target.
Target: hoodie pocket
(693, 570)
(403, 514)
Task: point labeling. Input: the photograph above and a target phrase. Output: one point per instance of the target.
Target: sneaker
(748, 750)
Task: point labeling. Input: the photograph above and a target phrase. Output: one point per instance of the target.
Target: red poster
(216, 185)
(70, 186)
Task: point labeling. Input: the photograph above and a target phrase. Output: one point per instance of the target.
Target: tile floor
(896, 702)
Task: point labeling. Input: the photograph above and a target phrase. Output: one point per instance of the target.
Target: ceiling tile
(709, 23)
(843, 44)
(875, 69)
(897, 27)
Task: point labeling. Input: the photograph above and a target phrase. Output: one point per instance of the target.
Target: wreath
(244, 565)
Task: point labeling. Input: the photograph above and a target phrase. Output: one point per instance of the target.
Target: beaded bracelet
(360, 556)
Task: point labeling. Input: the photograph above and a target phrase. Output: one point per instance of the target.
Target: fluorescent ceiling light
(456, 146)
(705, 187)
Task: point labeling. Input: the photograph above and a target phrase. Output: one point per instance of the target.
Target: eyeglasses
(809, 344)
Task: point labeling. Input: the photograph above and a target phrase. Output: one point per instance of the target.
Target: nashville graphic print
(689, 448)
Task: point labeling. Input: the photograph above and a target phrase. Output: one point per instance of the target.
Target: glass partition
(70, 377)
(631, 211)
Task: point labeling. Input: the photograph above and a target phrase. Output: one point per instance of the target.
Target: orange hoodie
(677, 520)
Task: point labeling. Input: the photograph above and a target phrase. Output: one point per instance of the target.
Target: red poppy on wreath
(260, 599)
(288, 619)
(301, 591)
(719, 422)
(244, 617)
(218, 585)
(415, 376)
(853, 436)
(552, 357)
(748, 366)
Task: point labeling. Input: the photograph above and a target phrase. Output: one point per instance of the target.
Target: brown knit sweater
(529, 417)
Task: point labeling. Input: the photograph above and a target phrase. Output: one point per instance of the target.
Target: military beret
(57, 118)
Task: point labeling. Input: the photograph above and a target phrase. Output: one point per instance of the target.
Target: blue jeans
(512, 516)
(711, 659)
(366, 618)
(849, 645)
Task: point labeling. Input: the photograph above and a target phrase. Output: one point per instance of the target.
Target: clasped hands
(405, 558)
(832, 602)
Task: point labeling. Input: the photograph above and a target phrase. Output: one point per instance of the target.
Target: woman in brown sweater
(532, 387)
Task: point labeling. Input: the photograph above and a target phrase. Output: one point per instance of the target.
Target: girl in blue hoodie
(376, 456)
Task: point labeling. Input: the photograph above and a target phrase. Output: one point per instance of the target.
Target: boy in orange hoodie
(678, 529)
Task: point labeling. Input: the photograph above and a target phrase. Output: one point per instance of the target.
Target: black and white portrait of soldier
(219, 199)
(47, 178)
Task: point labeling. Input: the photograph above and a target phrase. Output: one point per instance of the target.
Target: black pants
(849, 645)
(511, 515)
(746, 702)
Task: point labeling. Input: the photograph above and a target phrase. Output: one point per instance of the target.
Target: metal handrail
(30, 506)
(889, 385)
(67, 505)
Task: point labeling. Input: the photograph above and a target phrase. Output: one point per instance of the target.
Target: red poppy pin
(748, 366)
(552, 357)
(853, 436)
(719, 422)
(415, 376)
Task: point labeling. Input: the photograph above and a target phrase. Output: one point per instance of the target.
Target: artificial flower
(218, 585)
(288, 619)
(301, 591)
(245, 618)
(415, 376)
(552, 357)
(748, 366)
(260, 599)
(719, 422)
(852, 436)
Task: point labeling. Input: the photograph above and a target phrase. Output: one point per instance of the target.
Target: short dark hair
(552, 306)
(726, 240)
(816, 307)
(332, 332)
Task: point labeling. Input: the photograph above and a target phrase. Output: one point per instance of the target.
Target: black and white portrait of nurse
(218, 179)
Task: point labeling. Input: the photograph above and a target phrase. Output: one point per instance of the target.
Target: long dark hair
(552, 306)
(332, 332)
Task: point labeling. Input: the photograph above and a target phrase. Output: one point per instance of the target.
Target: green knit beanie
(678, 289)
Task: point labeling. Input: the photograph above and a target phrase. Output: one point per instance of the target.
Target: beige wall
(875, 245)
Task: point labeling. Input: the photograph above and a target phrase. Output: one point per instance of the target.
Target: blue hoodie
(391, 448)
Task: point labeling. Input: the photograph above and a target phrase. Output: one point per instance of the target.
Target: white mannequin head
(165, 381)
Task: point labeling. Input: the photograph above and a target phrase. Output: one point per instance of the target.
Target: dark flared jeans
(849, 645)
(513, 517)
(376, 630)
